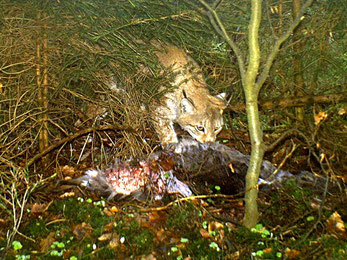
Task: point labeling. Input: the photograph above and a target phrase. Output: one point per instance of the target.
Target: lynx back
(190, 104)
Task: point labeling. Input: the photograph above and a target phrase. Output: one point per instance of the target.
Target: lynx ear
(187, 105)
(221, 96)
(220, 100)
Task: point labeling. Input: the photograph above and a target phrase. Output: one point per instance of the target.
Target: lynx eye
(200, 128)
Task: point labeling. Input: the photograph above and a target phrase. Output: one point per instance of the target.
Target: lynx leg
(166, 132)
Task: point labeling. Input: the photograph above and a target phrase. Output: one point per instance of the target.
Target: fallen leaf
(321, 116)
(153, 220)
(114, 209)
(67, 170)
(109, 227)
(230, 225)
(38, 209)
(336, 226)
(108, 212)
(215, 226)
(166, 163)
(205, 234)
(267, 250)
(157, 218)
(292, 253)
(105, 237)
(174, 240)
(82, 230)
(161, 235)
(342, 111)
(67, 195)
(315, 205)
(114, 243)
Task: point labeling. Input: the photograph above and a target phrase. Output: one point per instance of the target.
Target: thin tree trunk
(251, 90)
(42, 85)
(252, 82)
(298, 47)
(45, 87)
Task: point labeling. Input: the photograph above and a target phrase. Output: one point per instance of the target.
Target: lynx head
(202, 119)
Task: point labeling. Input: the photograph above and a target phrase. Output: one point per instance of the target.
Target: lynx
(189, 104)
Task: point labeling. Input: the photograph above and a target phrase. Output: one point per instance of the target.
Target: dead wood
(295, 101)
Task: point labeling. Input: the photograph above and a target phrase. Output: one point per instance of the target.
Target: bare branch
(278, 44)
(219, 27)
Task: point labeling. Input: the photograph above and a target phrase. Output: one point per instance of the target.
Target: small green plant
(266, 244)
(58, 248)
(215, 246)
(310, 218)
(184, 240)
(217, 188)
(22, 257)
(18, 246)
(262, 230)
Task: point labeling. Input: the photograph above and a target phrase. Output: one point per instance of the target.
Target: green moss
(36, 228)
(105, 253)
(181, 237)
(334, 248)
(143, 242)
(182, 217)
(85, 211)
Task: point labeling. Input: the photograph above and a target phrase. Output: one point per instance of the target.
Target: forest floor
(295, 223)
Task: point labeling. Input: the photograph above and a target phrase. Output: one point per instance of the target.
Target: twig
(191, 198)
(74, 136)
(2, 69)
(284, 160)
(272, 146)
(26, 237)
(269, 20)
(8, 163)
(278, 43)
(17, 220)
(84, 146)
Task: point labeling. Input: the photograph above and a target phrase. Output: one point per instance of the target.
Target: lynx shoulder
(189, 104)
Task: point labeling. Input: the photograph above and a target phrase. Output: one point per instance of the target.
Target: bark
(298, 47)
(251, 90)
